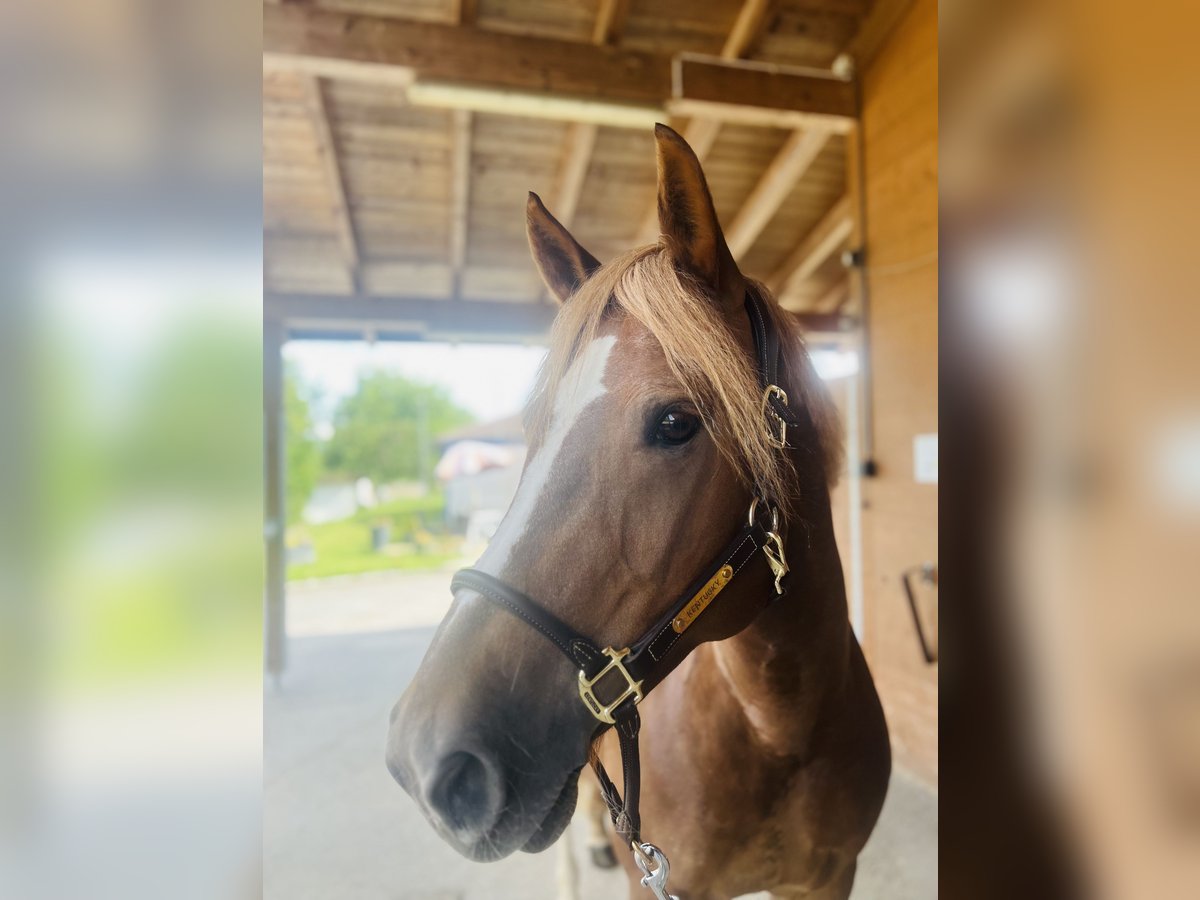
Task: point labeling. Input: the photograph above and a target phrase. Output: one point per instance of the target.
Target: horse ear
(564, 264)
(688, 220)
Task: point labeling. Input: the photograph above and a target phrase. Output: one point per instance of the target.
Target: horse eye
(676, 428)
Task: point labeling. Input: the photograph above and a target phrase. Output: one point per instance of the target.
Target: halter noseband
(613, 681)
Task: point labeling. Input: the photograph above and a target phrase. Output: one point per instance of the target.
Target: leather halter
(613, 681)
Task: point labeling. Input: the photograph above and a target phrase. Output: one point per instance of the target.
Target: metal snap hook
(776, 559)
(655, 869)
(773, 548)
(778, 439)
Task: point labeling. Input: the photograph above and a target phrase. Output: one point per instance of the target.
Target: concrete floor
(337, 826)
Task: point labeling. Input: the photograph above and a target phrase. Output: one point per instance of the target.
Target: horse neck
(792, 665)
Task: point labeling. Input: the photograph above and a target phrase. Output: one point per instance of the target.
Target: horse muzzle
(490, 775)
(459, 784)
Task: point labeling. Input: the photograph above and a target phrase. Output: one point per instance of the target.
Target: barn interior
(401, 137)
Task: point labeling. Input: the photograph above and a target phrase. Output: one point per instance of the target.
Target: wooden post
(275, 494)
(460, 198)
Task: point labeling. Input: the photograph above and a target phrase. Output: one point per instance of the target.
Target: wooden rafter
(334, 177)
(842, 222)
(581, 136)
(460, 193)
(610, 21)
(746, 28)
(577, 156)
(701, 133)
(776, 183)
(833, 299)
(824, 323)
(789, 164)
(459, 65)
(463, 12)
(816, 247)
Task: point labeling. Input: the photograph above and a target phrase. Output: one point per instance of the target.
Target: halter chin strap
(613, 681)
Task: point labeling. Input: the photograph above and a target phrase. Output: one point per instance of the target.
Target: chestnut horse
(765, 754)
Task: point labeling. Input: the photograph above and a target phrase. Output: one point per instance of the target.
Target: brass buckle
(592, 702)
(780, 439)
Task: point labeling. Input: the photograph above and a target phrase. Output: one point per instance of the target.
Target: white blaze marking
(583, 384)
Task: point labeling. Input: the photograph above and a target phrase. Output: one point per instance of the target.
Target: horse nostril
(466, 793)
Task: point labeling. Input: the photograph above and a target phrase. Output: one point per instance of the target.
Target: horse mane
(703, 354)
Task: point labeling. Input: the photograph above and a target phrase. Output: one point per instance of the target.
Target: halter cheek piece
(612, 682)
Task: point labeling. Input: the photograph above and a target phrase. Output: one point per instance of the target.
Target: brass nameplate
(704, 597)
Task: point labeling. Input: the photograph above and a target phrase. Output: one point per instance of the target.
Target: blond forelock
(703, 354)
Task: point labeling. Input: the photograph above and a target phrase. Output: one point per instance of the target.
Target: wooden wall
(900, 517)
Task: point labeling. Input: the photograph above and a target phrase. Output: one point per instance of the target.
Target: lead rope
(652, 862)
(626, 820)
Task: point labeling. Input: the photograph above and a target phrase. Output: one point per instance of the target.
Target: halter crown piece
(612, 682)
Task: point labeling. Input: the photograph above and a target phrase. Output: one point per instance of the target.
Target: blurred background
(131, 461)
(150, 302)
(1071, 706)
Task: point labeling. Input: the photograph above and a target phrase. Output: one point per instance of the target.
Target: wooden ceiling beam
(746, 28)
(298, 36)
(463, 12)
(314, 97)
(825, 237)
(701, 133)
(317, 316)
(610, 21)
(577, 157)
(752, 93)
(546, 76)
(833, 299)
(775, 185)
(823, 323)
(581, 136)
(460, 194)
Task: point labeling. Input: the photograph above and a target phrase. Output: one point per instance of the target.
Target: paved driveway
(337, 826)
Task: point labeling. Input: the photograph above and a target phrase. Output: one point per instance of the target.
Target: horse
(764, 752)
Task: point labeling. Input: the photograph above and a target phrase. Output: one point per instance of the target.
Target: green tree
(388, 429)
(303, 451)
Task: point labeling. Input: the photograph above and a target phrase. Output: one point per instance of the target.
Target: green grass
(344, 548)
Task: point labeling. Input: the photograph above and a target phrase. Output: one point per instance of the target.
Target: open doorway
(400, 457)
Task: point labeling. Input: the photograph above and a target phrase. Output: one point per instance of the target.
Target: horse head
(645, 442)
